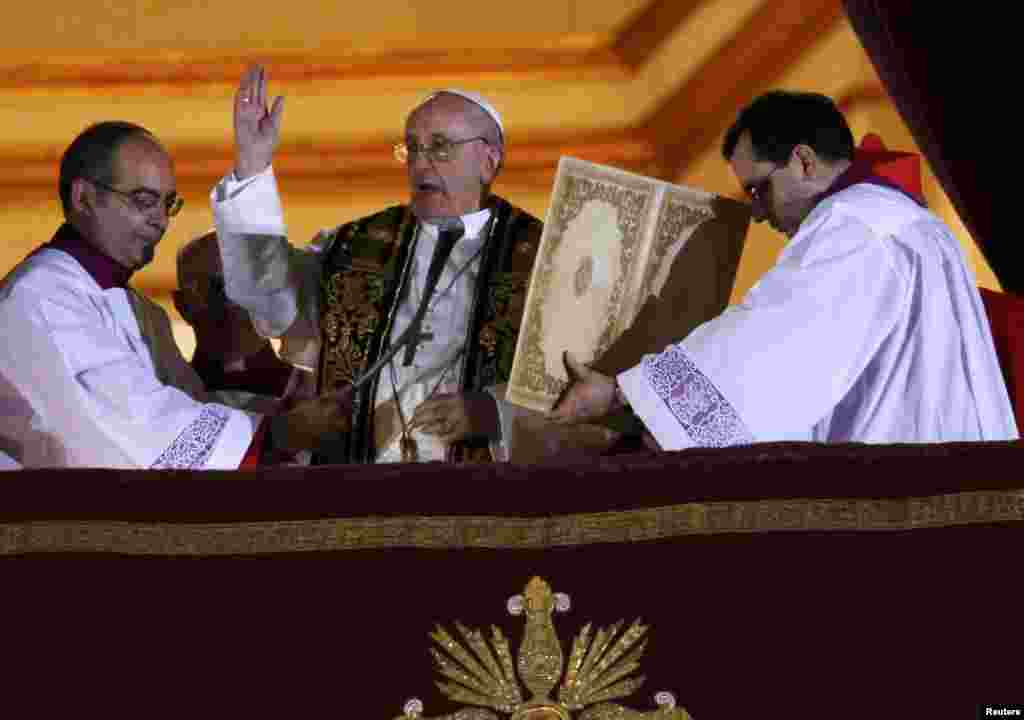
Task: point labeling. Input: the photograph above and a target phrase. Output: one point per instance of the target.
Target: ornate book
(627, 264)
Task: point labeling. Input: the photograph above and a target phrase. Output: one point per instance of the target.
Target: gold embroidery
(675, 219)
(489, 337)
(499, 335)
(352, 298)
(353, 310)
(350, 319)
(597, 672)
(456, 532)
(632, 199)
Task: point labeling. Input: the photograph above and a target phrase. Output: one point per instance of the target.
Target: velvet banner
(784, 580)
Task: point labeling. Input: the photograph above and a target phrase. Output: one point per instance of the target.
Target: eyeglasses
(145, 200)
(440, 150)
(759, 190)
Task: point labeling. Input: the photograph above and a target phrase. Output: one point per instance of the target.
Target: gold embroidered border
(577, 184)
(496, 532)
(677, 215)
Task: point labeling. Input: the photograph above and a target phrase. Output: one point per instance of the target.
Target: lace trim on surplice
(706, 416)
(193, 447)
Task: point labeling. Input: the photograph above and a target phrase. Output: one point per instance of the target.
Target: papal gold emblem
(600, 669)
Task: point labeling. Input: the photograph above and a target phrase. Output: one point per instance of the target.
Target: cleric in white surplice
(869, 328)
(89, 372)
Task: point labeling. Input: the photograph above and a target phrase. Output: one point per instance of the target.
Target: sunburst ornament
(599, 670)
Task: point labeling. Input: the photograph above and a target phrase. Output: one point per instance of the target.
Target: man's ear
(491, 164)
(83, 197)
(808, 159)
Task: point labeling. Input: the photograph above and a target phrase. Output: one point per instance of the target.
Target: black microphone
(450, 231)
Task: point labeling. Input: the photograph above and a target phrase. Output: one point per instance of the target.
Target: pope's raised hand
(257, 126)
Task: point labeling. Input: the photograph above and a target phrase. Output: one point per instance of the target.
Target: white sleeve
(277, 283)
(95, 396)
(7, 462)
(780, 361)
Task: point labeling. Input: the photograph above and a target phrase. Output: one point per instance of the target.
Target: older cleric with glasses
(416, 305)
(90, 375)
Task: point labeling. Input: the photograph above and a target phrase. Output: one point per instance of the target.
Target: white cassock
(7, 462)
(93, 378)
(869, 328)
(279, 285)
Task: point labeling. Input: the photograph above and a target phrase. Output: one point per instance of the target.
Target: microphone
(450, 231)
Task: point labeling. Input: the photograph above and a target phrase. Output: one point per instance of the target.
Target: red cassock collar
(873, 163)
(106, 271)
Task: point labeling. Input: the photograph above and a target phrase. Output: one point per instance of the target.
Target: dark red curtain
(823, 581)
(942, 66)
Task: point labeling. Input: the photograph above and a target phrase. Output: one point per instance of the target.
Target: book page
(610, 239)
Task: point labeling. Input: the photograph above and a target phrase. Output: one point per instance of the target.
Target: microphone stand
(450, 231)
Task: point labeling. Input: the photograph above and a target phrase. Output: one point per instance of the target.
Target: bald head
(222, 327)
(199, 258)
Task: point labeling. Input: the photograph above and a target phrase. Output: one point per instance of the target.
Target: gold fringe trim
(513, 533)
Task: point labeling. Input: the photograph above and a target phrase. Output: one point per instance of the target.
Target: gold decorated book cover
(611, 248)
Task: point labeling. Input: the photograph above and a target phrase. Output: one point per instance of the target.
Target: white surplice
(869, 328)
(93, 378)
(279, 285)
(7, 462)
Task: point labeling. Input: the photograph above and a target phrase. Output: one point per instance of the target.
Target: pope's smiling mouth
(427, 186)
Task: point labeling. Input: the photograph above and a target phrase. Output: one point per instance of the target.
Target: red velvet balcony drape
(779, 581)
(943, 67)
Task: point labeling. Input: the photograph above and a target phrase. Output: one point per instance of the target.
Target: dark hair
(91, 155)
(778, 121)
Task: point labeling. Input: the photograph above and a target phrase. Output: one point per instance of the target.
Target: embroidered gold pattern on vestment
(632, 204)
(353, 302)
(597, 673)
(675, 218)
(500, 332)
